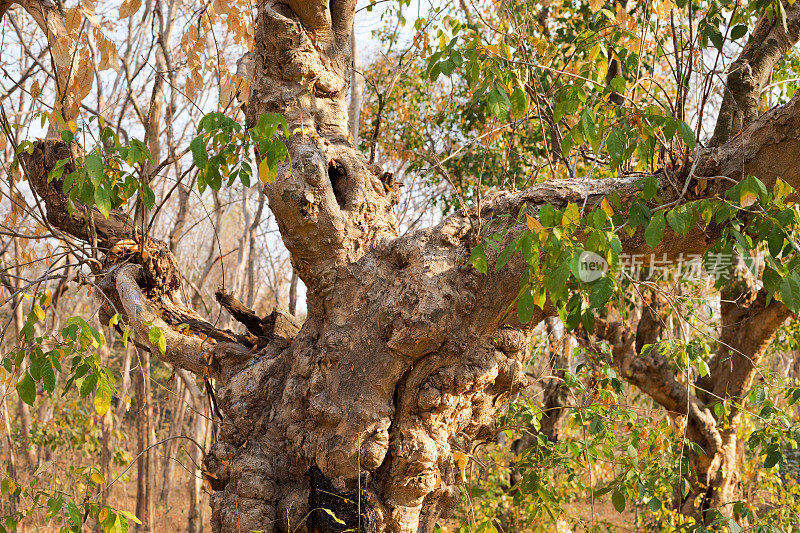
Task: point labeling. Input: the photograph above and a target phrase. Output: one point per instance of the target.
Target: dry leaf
(129, 8)
(221, 6)
(74, 20)
(461, 463)
(36, 90)
(88, 12)
(61, 49)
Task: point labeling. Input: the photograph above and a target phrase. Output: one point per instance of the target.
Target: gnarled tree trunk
(405, 345)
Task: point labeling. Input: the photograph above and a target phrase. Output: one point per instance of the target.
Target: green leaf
(601, 292)
(615, 144)
(199, 154)
(525, 306)
(130, 516)
(618, 499)
(682, 219)
(655, 230)
(790, 294)
(48, 376)
(478, 259)
(654, 504)
(519, 103)
(88, 385)
(94, 169)
(775, 241)
(157, 338)
(750, 190)
(687, 134)
(771, 279)
(649, 187)
(715, 36)
(498, 103)
(702, 366)
(773, 457)
(148, 196)
(587, 124)
(26, 388)
(738, 31)
(74, 514)
(102, 200)
(506, 255)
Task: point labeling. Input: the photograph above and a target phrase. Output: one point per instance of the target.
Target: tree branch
(748, 75)
(204, 357)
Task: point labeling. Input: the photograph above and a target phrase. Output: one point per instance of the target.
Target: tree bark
(405, 346)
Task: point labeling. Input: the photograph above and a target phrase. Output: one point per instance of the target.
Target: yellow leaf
(572, 215)
(605, 206)
(782, 189)
(663, 8)
(98, 478)
(533, 224)
(109, 57)
(265, 174)
(227, 90)
(72, 126)
(48, 298)
(747, 198)
(101, 517)
(461, 463)
(595, 5)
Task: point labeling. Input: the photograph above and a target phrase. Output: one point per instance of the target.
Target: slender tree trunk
(23, 410)
(145, 463)
(125, 386)
(201, 424)
(356, 91)
(106, 428)
(8, 449)
(177, 415)
(554, 398)
(293, 294)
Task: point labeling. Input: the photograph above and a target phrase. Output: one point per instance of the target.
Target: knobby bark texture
(405, 348)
